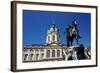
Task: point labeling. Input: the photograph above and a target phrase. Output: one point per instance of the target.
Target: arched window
(53, 38)
(25, 57)
(25, 50)
(48, 38)
(58, 53)
(42, 55)
(37, 56)
(31, 56)
(48, 53)
(53, 53)
(31, 50)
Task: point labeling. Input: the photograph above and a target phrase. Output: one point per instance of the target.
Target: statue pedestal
(76, 52)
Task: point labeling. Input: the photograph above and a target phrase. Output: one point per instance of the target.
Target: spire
(53, 24)
(53, 21)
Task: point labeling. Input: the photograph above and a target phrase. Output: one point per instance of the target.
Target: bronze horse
(72, 33)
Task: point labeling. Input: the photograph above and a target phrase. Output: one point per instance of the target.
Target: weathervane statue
(72, 33)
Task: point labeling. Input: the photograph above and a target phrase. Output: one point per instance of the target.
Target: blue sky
(36, 23)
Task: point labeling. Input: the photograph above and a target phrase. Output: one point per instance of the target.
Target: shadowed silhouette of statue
(72, 33)
(80, 52)
(77, 53)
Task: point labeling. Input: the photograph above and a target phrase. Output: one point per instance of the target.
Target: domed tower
(53, 35)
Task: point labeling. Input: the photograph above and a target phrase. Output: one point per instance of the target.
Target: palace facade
(53, 50)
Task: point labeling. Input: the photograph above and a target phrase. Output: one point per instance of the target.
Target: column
(39, 57)
(61, 52)
(50, 53)
(45, 53)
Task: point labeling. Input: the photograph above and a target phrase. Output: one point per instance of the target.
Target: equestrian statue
(72, 33)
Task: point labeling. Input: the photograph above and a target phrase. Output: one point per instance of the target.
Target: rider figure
(69, 34)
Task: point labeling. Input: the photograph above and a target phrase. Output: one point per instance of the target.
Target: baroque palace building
(53, 50)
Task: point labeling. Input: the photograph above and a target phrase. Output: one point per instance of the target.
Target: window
(25, 50)
(31, 56)
(37, 56)
(48, 53)
(42, 55)
(31, 50)
(48, 38)
(25, 57)
(58, 53)
(53, 53)
(53, 38)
